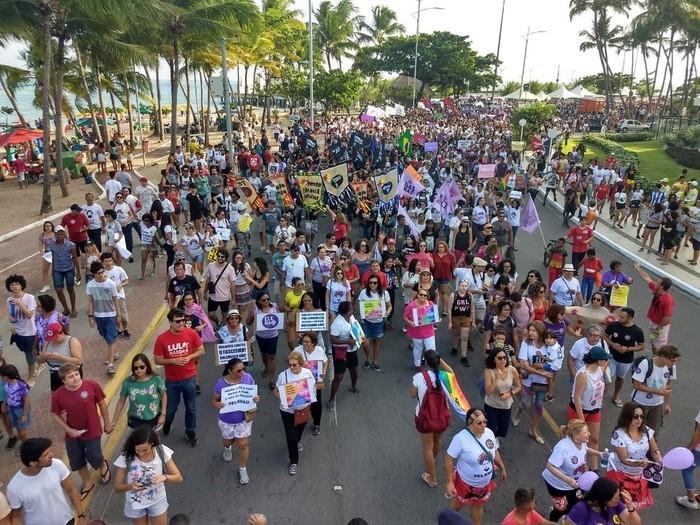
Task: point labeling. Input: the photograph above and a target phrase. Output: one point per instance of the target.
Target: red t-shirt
(661, 305)
(352, 273)
(532, 518)
(74, 224)
(254, 162)
(170, 346)
(591, 266)
(579, 236)
(443, 266)
(340, 230)
(81, 408)
(19, 165)
(365, 277)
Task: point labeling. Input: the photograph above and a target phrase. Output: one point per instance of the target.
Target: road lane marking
(19, 262)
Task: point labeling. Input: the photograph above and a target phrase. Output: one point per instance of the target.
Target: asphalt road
(368, 465)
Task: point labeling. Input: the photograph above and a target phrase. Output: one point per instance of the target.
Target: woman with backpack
(469, 466)
(428, 382)
(143, 468)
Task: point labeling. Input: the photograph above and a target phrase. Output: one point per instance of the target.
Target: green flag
(405, 143)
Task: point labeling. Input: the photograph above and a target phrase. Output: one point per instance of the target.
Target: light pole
(498, 49)
(227, 100)
(138, 112)
(415, 57)
(522, 73)
(311, 65)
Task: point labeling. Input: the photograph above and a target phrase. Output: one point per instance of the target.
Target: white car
(632, 125)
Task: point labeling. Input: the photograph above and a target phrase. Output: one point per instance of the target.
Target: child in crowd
(92, 254)
(498, 341)
(525, 512)
(592, 267)
(11, 437)
(16, 403)
(554, 361)
(557, 258)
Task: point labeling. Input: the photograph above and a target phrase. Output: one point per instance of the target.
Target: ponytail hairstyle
(432, 359)
(572, 428)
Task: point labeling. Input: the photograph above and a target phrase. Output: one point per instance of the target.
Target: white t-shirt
(473, 464)
(143, 473)
(22, 325)
(565, 291)
(568, 458)
(386, 300)
(635, 449)
(294, 268)
(657, 380)
(592, 397)
(41, 497)
(94, 214)
(113, 186)
(422, 387)
(147, 234)
(123, 212)
(318, 354)
(289, 377)
(343, 330)
(167, 205)
(581, 347)
(530, 353)
(118, 276)
(173, 238)
(555, 356)
(321, 268)
(475, 280)
(338, 292)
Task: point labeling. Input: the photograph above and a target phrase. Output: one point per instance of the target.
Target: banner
(619, 295)
(227, 351)
(279, 181)
(374, 111)
(529, 219)
(446, 197)
(400, 110)
(372, 309)
(430, 146)
(311, 187)
(361, 189)
(486, 171)
(312, 321)
(423, 315)
(409, 186)
(387, 185)
(238, 398)
(335, 179)
(409, 222)
(250, 194)
(269, 321)
(462, 144)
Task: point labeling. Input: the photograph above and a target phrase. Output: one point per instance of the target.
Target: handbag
(340, 353)
(652, 472)
(302, 416)
(211, 288)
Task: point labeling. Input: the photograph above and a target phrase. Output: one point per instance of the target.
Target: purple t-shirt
(233, 418)
(15, 394)
(559, 329)
(582, 514)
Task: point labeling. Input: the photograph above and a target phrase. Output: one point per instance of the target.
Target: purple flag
(529, 220)
(409, 222)
(444, 200)
(409, 186)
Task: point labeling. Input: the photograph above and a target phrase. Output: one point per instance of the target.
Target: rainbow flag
(459, 402)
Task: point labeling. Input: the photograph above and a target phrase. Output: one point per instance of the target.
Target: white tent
(582, 92)
(541, 96)
(517, 95)
(562, 92)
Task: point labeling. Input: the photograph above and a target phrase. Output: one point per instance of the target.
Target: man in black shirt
(196, 205)
(624, 338)
(182, 283)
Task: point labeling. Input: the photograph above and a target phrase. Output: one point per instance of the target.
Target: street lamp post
(522, 73)
(227, 100)
(415, 57)
(311, 66)
(498, 49)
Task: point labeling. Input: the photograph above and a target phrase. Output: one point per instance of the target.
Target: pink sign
(486, 171)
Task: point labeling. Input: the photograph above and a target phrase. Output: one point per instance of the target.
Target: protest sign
(311, 187)
(372, 309)
(250, 194)
(316, 368)
(462, 144)
(312, 321)
(273, 168)
(335, 179)
(619, 295)
(361, 190)
(238, 398)
(486, 171)
(430, 146)
(387, 185)
(297, 393)
(424, 315)
(227, 351)
(269, 321)
(358, 334)
(280, 183)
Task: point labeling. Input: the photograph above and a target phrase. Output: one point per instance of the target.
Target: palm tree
(336, 27)
(12, 78)
(382, 26)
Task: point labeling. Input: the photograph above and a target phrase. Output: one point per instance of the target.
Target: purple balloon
(678, 458)
(585, 482)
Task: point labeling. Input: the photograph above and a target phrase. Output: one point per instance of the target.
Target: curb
(112, 389)
(678, 282)
(51, 218)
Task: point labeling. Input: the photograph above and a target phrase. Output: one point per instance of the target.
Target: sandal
(536, 437)
(617, 402)
(426, 478)
(107, 476)
(84, 493)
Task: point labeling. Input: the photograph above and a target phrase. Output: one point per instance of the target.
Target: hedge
(690, 158)
(630, 136)
(624, 157)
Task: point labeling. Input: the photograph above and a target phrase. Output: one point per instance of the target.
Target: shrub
(688, 138)
(690, 158)
(630, 136)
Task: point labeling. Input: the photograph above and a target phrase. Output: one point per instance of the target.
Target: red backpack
(433, 414)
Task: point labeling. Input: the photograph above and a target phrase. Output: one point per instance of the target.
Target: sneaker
(515, 420)
(300, 447)
(331, 405)
(227, 454)
(77, 282)
(126, 334)
(192, 439)
(131, 259)
(548, 398)
(110, 369)
(465, 361)
(166, 427)
(293, 469)
(376, 367)
(683, 501)
(403, 329)
(243, 474)
(453, 351)
(354, 390)
(45, 289)
(11, 442)
(366, 365)
(316, 430)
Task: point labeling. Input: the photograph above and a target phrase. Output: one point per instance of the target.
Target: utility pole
(415, 57)
(227, 100)
(498, 49)
(311, 65)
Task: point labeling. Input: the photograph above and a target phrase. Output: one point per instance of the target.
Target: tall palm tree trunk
(114, 110)
(46, 206)
(238, 92)
(174, 73)
(201, 100)
(103, 109)
(58, 115)
(88, 97)
(159, 103)
(127, 95)
(13, 101)
(188, 100)
(208, 114)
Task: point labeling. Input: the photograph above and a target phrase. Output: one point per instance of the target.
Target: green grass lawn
(653, 161)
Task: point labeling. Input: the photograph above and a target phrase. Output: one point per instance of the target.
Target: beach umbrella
(87, 121)
(20, 135)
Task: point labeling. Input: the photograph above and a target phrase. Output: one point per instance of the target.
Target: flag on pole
(404, 143)
(458, 401)
(409, 186)
(530, 220)
(409, 222)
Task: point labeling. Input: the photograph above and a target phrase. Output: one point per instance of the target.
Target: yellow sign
(619, 295)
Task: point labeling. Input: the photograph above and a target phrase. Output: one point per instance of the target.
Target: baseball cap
(53, 331)
(74, 207)
(478, 261)
(598, 354)
(59, 228)
(392, 241)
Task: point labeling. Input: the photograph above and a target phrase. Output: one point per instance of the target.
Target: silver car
(632, 125)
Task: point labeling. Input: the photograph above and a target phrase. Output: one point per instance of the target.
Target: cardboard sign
(238, 398)
(372, 309)
(269, 321)
(227, 351)
(424, 315)
(297, 393)
(311, 187)
(312, 321)
(619, 295)
(486, 171)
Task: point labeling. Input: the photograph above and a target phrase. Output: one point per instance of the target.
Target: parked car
(632, 125)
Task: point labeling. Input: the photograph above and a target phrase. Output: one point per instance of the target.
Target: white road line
(19, 262)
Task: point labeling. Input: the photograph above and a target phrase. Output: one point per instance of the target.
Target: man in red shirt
(581, 237)
(20, 168)
(374, 269)
(660, 309)
(77, 224)
(79, 398)
(177, 350)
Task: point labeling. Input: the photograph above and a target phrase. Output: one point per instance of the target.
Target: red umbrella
(20, 135)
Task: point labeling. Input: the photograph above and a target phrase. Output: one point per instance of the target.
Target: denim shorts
(156, 509)
(26, 344)
(15, 414)
(63, 279)
(107, 328)
(373, 330)
(83, 451)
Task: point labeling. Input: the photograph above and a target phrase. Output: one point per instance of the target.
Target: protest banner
(312, 321)
(430, 146)
(269, 321)
(279, 181)
(227, 351)
(424, 315)
(250, 193)
(361, 190)
(311, 187)
(462, 144)
(619, 295)
(409, 187)
(358, 334)
(297, 393)
(238, 398)
(335, 179)
(486, 171)
(372, 309)
(387, 185)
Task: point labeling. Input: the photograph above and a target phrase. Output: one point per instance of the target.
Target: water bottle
(604, 459)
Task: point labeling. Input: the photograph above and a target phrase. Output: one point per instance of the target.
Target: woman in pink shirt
(422, 335)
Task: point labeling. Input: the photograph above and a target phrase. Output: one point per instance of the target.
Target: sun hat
(478, 261)
(569, 268)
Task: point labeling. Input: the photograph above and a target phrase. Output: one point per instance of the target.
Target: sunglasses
(373, 282)
(422, 295)
(293, 365)
(264, 299)
(597, 299)
(138, 367)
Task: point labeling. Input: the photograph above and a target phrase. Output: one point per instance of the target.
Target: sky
(555, 50)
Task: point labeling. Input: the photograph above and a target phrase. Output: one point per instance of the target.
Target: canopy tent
(20, 135)
(518, 95)
(562, 93)
(541, 96)
(582, 92)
